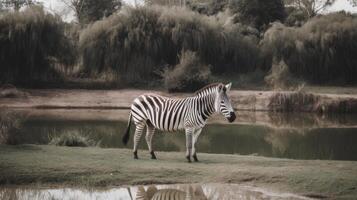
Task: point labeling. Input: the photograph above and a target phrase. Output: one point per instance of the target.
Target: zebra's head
(223, 104)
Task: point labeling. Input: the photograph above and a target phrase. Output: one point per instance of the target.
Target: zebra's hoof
(136, 155)
(188, 159)
(195, 158)
(153, 156)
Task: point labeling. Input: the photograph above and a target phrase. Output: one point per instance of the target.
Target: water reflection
(190, 192)
(297, 136)
(163, 192)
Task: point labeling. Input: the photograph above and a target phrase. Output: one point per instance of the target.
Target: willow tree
(139, 43)
(320, 51)
(32, 46)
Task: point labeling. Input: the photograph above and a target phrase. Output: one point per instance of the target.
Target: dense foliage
(258, 13)
(92, 10)
(189, 75)
(209, 7)
(139, 42)
(31, 42)
(151, 45)
(321, 51)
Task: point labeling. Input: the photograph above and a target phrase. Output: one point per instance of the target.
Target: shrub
(30, 42)
(321, 51)
(293, 102)
(9, 126)
(72, 139)
(138, 42)
(280, 78)
(10, 91)
(189, 75)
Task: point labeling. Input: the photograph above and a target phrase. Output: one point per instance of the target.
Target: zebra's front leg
(189, 132)
(194, 140)
(149, 133)
(137, 136)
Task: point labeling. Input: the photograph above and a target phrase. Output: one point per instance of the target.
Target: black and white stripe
(172, 114)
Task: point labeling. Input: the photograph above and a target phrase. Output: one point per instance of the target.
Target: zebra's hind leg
(150, 130)
(194, 140)
(137, 136)
(188, 133)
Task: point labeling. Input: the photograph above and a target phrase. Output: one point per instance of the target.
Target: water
(194, 192)
(296, 136)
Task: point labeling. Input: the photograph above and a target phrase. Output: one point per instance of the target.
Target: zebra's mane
(207, 87)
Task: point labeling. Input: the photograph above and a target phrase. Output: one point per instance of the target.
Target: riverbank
(281, 101)
(276, 120)
(52, 166)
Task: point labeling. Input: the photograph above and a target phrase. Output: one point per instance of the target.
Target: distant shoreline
(242, 100)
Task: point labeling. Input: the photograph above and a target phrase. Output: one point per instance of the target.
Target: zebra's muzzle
(232, 117)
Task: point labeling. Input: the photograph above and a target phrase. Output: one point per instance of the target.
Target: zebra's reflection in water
(152, 193)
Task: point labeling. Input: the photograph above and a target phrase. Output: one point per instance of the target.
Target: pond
(292, 135)
(172, 192)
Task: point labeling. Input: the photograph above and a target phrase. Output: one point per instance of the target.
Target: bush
(321, 51)
(72, 139)
(10, 91)
(280, 78)
(30, 42)
(10, 124)
(189, 75)
(139, 42)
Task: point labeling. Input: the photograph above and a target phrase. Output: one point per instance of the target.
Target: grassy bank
(64, 166)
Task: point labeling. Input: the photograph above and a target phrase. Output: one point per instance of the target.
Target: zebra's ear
(228, 87)
(220, 87)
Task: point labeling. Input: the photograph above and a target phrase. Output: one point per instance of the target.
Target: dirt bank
(79, 167)
(241, 100)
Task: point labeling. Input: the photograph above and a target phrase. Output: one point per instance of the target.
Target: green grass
(47, 165)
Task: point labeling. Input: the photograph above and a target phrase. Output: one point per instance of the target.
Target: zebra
(192, 192)
(172, 114)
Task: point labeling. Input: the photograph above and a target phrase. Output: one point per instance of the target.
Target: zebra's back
(152, 193)
(169, 194)
(163, 113)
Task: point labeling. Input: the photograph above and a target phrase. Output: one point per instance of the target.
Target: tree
(311, 7)
(258, 12)
(353, 2)
(17, 4)
(208, 7)
(92, 10)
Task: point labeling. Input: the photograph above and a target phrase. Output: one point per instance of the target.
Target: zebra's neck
(206, 104)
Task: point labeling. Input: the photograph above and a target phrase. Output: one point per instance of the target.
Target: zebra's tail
(126, 136)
